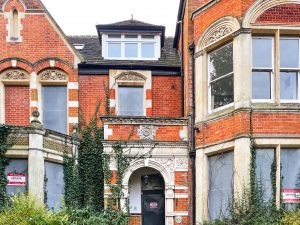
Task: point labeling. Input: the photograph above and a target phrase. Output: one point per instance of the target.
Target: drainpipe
(193, 143)
(182, 67)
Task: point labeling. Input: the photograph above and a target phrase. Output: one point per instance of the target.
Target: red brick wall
(91, 91)
(17, 105)
(282, 14)
(130, 132)
(166, 96)
(239, 124)
(135, 220)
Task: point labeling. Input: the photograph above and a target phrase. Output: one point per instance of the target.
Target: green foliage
(84, 179)
(4, 145)
(24, 210)
(291, 218)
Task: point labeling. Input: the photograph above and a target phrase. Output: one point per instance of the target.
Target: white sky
(81, 16)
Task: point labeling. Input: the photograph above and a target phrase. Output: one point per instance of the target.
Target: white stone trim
(112, 103)
(107, 132)
(14, 63)
(52, 63)
(261, 6)
(73, 120)
(184, 134)
(73, 85)
(181, 188)
(148, 104)
(218, 30)
(33, 103)
(73, 104)
(9, 17)
(182, 213)
(181, 195)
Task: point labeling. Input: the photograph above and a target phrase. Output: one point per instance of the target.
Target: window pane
(261, 85)
(290, 172)
(288, 85)
(131, 36)
(221, 62)
(220, 184)
(55, 186)
(264, 161)
(289, 53)
(148, 50)
(222, 92)
(131, 101)
(262, 52)
(131, 50)
(114, 36)
(55, 108)
(114, 50)
(148, 36)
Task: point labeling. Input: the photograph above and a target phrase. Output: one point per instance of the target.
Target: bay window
(221, 77)
(289, 69)
(262, 68)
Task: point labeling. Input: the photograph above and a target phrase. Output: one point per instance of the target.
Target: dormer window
(131, 46)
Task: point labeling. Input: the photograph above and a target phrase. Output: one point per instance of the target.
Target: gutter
(193, 144)
(182, 69)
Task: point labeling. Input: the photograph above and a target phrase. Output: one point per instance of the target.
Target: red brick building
(190, 105)
(241, 79)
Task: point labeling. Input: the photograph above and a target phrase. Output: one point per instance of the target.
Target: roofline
(97, 67)
(180, 15)
(106, 28)
(203, 7)
(75, 51)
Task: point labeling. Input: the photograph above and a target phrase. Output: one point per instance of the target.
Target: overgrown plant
(83, 171)
(4, 145)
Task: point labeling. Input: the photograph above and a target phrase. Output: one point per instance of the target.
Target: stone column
(170, 204)
(202, 184)
(36, 167)
(242, 48)
(242, 157)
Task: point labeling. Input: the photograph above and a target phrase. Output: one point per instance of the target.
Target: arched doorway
(147, 197)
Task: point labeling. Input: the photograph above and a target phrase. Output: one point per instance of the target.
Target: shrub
(24, 210)
(291, 218)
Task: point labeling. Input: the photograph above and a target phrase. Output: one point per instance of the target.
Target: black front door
(153, 207)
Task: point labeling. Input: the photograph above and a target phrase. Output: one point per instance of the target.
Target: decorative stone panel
(53, 75)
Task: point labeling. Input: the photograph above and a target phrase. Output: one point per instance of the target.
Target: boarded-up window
(54, 184)
(220, 184)
(17, 173)
(55, 108)
(290, 172)
(264, 161)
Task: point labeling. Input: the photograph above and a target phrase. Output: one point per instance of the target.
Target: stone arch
(50, 75)
(260, 7)
(130, 76)
(166, 174)
(10, 4)
(219, 29)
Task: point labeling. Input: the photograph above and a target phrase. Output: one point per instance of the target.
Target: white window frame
(264, 69)
(139, 41)
(296, 70)
(210, 110)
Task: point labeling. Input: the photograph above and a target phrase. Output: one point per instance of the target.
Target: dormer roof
(131, 26)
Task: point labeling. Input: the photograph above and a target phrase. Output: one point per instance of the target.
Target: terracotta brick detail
(17, 105)
(281, 14)
(135, 220)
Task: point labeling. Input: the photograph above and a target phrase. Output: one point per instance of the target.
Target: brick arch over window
(261, 9)
(11, 4)
(218, 30)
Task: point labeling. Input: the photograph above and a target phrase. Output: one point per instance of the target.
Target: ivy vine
(4, 145)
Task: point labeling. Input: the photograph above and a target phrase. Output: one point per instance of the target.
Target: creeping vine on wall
(4, 145)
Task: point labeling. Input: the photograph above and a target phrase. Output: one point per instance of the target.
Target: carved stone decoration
(147, 132)
(181, 164)
(53, 75)
(130, 76)
(218, 34)
(15, 75)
